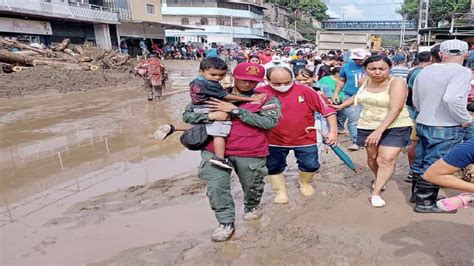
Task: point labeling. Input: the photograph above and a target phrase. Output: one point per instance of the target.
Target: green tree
(315, 8)
(439, 9)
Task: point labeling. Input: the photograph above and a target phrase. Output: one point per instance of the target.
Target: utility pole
(232, 28)
(402, 33)
(423, 17)
(343, 12)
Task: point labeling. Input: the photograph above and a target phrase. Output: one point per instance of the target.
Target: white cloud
(333, 14)
(352, 12)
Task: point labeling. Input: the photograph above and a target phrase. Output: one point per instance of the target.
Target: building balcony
(71, 11)
(238, 32)
(207, 11)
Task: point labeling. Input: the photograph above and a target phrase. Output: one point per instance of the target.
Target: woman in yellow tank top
(384, 124)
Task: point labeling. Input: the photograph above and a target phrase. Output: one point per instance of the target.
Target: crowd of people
(386, 105)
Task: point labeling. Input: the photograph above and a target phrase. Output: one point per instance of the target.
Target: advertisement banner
(25, 26)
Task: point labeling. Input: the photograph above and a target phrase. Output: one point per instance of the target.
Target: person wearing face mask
(298, 104)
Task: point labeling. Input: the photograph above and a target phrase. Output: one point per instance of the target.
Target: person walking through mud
(384, 125)
(440, 95)
(246, 148)
(299, 102)
(205, 87)
(154, 77)
(348, 83)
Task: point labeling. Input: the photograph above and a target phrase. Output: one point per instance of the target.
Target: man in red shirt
(266, 56)
(298, 104)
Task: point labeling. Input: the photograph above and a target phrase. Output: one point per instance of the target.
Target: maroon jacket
(245, 140)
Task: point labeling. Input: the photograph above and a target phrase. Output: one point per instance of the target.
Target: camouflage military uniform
(251, 171)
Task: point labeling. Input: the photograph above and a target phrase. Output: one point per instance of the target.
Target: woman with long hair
(384, 125)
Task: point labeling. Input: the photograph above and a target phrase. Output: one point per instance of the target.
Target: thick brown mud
(83, 182)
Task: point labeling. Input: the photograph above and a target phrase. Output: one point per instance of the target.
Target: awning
(168, 26)
(248, 36)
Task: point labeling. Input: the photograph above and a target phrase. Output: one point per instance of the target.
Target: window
(204, 21)
(184, 21)
(150, 9)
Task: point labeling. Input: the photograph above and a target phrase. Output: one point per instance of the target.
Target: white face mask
(282, 88)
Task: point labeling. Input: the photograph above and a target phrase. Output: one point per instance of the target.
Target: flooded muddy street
(84, 182)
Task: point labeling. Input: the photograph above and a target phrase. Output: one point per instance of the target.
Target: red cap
(249, 71)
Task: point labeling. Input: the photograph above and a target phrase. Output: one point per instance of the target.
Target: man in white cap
(440, 95)
(348, 83)
(276, 61)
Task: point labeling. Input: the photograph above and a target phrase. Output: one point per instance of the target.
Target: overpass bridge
(382, 27)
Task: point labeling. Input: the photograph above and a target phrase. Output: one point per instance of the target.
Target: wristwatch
(236, 112)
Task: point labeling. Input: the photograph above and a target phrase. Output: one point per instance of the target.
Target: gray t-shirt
(440, 95)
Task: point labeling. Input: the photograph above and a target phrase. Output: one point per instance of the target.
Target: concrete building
(141, 19)
(49, 21)
(278, 26)
(222, 21)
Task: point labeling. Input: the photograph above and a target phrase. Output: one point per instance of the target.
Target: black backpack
(196, 138)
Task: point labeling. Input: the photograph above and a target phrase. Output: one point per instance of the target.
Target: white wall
(102, 36)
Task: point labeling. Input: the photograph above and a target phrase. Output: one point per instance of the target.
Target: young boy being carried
(203, 88)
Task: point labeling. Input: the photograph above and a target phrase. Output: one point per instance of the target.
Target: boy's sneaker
(253, 214)
(222, 163)
(163, 132)
(223, 232)
(353, 147)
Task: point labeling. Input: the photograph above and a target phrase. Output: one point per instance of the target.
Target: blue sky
(364, 9)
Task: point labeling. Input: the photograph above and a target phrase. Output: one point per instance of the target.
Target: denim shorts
(306, 158)
(392, 137)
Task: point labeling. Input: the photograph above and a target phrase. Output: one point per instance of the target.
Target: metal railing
(369, 25)
(72, 10)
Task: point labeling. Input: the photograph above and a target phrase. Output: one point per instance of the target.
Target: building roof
(247, 3)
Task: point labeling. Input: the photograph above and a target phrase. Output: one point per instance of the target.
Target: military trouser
(251, 172)
(152, 91)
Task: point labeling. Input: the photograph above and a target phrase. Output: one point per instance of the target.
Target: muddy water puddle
(56, 142)
(71, 164)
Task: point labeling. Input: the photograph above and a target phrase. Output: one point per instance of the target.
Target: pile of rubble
(85, 57)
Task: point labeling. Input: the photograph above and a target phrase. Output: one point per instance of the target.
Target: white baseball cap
(454, 47)
(359, 54)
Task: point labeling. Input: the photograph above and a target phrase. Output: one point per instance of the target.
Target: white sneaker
(163, 132)
(253, 214)
(377, 201)
(223, 232)
(353, 147)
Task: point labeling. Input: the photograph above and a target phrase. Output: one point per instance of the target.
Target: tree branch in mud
(86, 57)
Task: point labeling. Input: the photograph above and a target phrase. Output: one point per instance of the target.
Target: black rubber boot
(426, 195)
(415, 177)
